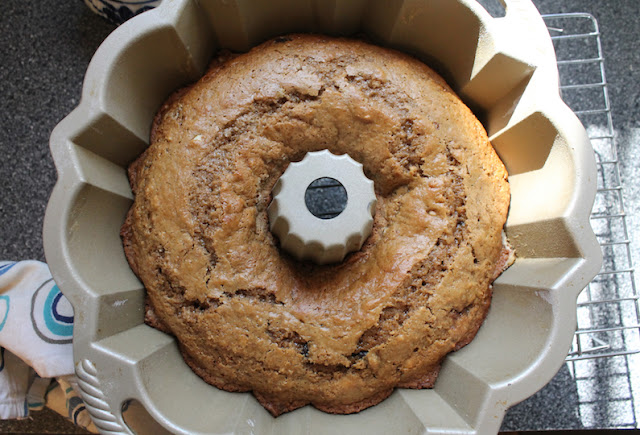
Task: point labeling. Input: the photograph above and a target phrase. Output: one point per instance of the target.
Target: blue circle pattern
(59, 317)
(5, 268)
(6, 313)
(57, 323)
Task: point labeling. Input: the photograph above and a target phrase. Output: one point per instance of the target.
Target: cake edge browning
(133, 174)
(276, 407)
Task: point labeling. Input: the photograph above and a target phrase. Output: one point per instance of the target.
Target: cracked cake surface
(247, 316)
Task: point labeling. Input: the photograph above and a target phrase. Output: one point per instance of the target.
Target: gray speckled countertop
(46, 47)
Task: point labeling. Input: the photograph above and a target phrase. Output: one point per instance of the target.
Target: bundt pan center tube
(308, 236)
(503, 68)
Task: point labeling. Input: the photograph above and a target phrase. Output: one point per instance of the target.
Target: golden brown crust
(340, 337)
(151, 319)
(426, 380)
(354, 406)
(276, 406)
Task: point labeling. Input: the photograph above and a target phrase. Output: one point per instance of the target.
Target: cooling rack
(608, 315)
(607, 341)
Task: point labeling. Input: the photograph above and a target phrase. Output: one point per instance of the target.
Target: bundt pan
(503, 68)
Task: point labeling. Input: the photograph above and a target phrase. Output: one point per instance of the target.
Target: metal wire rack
(608, 314)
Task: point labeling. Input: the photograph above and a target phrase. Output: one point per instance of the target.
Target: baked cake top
(247, 316)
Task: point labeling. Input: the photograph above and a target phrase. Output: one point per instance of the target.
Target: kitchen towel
(36, 329)
(63, 398)
(36, 320)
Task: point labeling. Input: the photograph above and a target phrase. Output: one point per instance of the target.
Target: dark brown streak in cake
(415, 292)
(201, 206)
(405, 150)
(289, 339)
(258, 109)
(198, 306)
(391, 319)
(257, 294)
(407, 153)
(329, 371)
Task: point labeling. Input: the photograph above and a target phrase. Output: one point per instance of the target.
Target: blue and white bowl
(119, 11)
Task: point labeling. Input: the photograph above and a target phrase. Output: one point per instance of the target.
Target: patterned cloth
(36, 330)
(63, 398)
(36, 320)
(119, 11)
(15, 379)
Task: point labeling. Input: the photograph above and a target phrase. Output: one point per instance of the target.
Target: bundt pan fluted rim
(504, 68)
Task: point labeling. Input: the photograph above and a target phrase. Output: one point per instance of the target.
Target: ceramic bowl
(119, 11)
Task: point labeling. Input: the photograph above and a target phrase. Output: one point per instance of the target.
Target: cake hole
(325, 198)
(138, 419)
